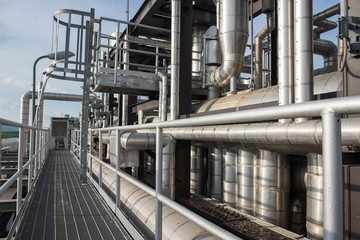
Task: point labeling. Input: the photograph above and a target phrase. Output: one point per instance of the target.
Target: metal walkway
(64, 209)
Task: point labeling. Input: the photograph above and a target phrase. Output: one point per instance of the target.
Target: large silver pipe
(163, 97)
(272, 187)
(303, 52)
(168, 184)
(197, 47)
(329, 51)
(215, 185)
(175, 58)
(246, 181)
(229, 179)
(197, 170)
(314, 196)
(285, 44)
(259, 49)
(304, 133)
(234, 32)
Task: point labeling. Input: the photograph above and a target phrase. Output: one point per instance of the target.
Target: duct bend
(259, 48)
(234, 32)
(328, 50)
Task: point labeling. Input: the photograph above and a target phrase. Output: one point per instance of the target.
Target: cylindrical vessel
(197, 170)
(272, 187)
(229, 178)
(215, 187)
(314, 197)
(246, 181)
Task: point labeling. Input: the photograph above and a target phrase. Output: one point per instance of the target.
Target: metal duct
(197, 170)
(272, 188)
(234, 32)
(175, 58)
(142, 205)
(215, 186)
(329, 51)
(303, 52)
(259, 49)
(245, 180)
(314, 197)
(285, 45)
(229, 178)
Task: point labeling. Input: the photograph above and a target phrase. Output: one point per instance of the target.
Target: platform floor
(62, 208)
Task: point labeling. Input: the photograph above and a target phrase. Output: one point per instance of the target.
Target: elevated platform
(64, 209)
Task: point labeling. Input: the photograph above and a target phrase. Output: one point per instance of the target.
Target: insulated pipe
(272, 187)
(197, 170)
(215, 173)
(168, 183)
(197, 47)
(303, 52)
(324, 26)
(234, 32)
(329, 51)
(229, 179)
(329, 12)
(175, 58)
(285, 44)
(246, 181)
(163, 96)
(259, 49)
(314, 196)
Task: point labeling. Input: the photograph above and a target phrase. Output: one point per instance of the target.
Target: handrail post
(332, 164)
(159, 152)
(117, 193)
(30, 174)
(20, 168)
(90, 157)
(100, 158)
(0, 149)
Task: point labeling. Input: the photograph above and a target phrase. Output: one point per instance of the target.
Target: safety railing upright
(41, 144)
(329, 110)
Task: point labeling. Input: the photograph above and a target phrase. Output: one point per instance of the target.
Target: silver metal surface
(246, 181)
(215, 187)
(158, 189)
(213, 49)
(197, 171)
(303, 52)
(314, 196)
(175, 58)
(329, 51)
(333, 184)
(272, 187)
(285, 44)
(229, 178)
(234, 32)
(259, 49)
(197, 48)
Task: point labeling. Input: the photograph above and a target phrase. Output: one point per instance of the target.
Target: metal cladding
(197, 170)
(197, 47)
(246, 181)
(272, 187)
(215, 190)
(329, 51)
(314, 197)
(229, 178)
(234, 33)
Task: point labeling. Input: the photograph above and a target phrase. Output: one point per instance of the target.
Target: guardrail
(34, 166)
(329, 110)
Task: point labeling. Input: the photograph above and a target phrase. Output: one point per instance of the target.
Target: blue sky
(26, 33)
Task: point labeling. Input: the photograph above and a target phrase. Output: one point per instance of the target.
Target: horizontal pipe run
(16, 124)
(305, 133)
(345, 105)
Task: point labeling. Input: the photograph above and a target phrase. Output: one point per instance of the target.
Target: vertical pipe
(245, 179)
(229, 179)
(164, 98)
(90, 150)
(332, 163)
(116, 52)
(285, 44)
(117, 193)
(303, 52)
(35, 152)
(197, 170)
(20, 167)
(160, 101)
(233, 87)
(140, 116)
(125, 98)
(175, 58)
(100, 158)
(215, 174)
(158, 216)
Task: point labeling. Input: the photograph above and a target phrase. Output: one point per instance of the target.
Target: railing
(330, 112)
(113, 49)
(34, 166)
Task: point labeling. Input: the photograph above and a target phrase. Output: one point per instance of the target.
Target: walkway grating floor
(64, 209)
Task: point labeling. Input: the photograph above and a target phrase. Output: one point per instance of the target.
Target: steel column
(117, 193)
(100, 158)
(332, 163)
(20, 167)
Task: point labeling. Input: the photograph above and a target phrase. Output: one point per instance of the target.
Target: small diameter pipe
(100, 158)
(20, 169)
(117, 193)
(158, 216)
(332, 163)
